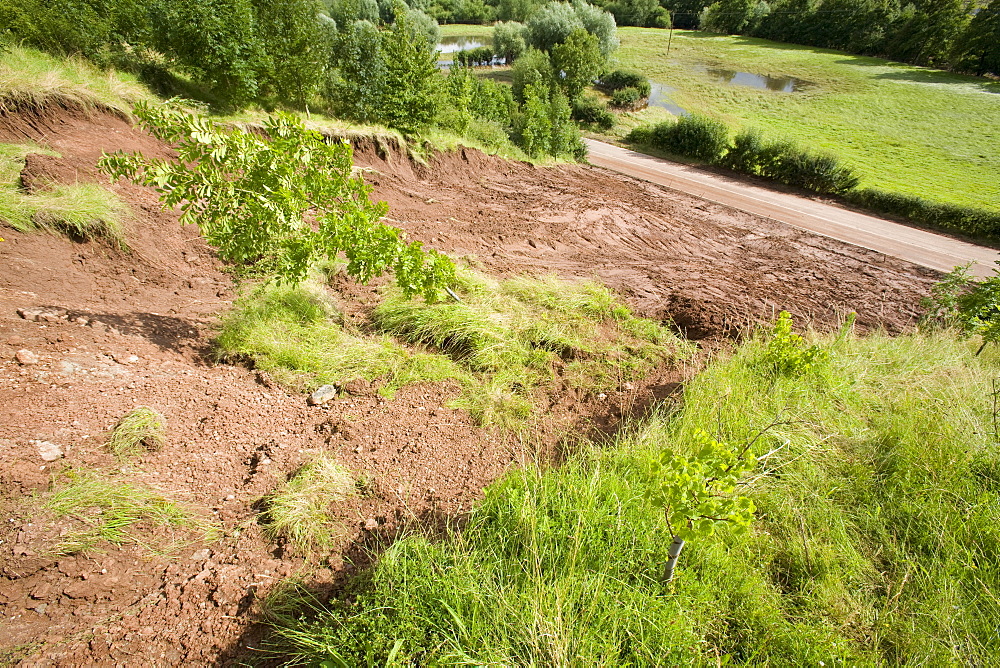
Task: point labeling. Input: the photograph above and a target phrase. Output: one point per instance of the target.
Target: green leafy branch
(276, 201)
(786, 353)
(697, 492)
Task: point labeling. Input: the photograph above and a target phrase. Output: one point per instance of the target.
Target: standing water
(780, 84)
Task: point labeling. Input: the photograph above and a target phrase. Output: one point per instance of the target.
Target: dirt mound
(106, 330)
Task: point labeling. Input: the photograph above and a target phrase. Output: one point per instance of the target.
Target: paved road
(908, 243)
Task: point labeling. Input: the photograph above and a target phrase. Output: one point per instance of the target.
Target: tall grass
(105, 509)
(504, 342)
(875, 540)
(292, 333)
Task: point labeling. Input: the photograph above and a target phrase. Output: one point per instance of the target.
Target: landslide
(112, 329)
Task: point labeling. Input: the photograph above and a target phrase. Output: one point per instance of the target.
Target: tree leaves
(275, 202)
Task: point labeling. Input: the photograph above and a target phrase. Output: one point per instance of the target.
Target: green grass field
(904, 129)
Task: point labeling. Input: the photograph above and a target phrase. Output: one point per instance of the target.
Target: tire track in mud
(712, 269)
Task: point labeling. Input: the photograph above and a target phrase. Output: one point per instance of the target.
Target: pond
(780, 84)
(659, 96)
(455, 43)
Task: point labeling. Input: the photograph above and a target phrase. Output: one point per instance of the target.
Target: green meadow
(904, 129)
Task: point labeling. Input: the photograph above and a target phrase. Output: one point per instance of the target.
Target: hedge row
(707, 140)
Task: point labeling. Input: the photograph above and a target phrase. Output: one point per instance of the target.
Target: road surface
(915, 245)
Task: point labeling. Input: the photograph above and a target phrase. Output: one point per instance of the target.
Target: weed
(118, 512)
(141, 429)
(299, 512)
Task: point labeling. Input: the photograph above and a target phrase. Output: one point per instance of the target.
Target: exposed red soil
(127, 329)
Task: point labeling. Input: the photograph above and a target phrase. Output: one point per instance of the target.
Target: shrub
(618, 79)
(508, 40)
(576, 62)
(626, 98)
(693, 136)
(258, 232)
(969, 220)
(641, 135)
(589, 109)
(746, 153)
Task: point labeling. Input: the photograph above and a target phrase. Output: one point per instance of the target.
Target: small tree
(972, 306)
(508, 40)
(276, 203)
(697, 492)
(577, 62)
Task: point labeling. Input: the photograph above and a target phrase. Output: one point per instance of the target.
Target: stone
(371, 524)
(25, 357)
(201, 555)
(42, 314)
(48, 451)
(323, 395)
(15, 341)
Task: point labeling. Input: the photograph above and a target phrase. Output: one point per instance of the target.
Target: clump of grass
(139, 430)
(31, 80)
(293, 334)
(517, 335)
(299, 512)
(118, 512)
(874, 543)
(82, 212)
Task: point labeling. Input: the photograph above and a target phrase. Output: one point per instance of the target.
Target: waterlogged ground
(101, 331)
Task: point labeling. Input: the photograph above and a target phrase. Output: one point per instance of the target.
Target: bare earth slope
(119, 330)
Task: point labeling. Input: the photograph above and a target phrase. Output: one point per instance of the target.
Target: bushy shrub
(508, 40)
(531, 69)
(576, 62)
(788, 163)
(618, 79)
(626, 98)
(641, 135)
(589, 109)
(694, 136)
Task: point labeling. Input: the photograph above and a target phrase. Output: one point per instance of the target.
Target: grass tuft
(292, 333)
(120, 513)
(139, 430)
(83, 212)
(299, 512)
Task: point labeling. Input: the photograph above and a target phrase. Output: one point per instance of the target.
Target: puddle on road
(779, 84)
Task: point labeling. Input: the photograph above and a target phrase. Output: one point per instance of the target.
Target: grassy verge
(33, 79)
(874, 543)
(80, 211)
(504, 343)
(110, 510)
(904, 129)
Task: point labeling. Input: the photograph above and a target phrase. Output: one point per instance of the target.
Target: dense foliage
(278, 203)
(955, 34)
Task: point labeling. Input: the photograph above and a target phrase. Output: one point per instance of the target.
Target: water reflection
(780, 84)
(455, 43)
(659, 96)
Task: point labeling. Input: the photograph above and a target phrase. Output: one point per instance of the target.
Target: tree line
(370, 61)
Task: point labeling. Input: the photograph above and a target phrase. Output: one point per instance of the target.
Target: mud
(124, 329)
